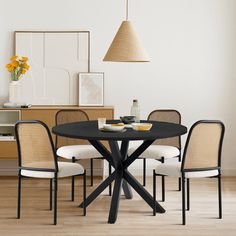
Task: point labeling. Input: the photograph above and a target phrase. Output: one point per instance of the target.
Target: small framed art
(91, 89)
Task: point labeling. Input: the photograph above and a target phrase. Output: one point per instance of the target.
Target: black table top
(89, 130)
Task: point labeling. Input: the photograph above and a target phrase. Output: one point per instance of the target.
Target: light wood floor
(134, 218)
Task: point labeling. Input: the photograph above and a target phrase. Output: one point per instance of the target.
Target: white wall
(191, 44)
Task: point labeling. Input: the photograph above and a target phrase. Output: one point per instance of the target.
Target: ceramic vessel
(14, 92)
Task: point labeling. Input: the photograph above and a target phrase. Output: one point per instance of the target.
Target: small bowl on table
(114, 127)
(127, 119)
(141, 126)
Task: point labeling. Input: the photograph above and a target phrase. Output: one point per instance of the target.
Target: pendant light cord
(127, 9)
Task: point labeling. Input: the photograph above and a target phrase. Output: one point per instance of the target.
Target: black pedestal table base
(121, 176)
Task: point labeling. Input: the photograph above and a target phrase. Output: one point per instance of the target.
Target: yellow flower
(24, 59)
(15, 64)
(10, 67)
(26, 66)
(18, 66)
(24, 71)
(14, 58)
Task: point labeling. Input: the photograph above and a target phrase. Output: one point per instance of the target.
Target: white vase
(14, 92)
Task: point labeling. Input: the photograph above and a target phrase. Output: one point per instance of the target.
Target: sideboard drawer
(8, 149)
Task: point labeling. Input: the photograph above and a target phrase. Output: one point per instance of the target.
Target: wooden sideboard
(8, 149)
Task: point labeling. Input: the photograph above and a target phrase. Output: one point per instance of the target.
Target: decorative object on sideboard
(126, 46)
(14, 105)
(6, 137)
(17, 68)
(14, 92)
(91, 89)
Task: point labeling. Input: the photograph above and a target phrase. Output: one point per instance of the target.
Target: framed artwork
(55, 58)
(91, 89)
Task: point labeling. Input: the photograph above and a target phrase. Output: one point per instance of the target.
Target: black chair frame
(73, 160)
(162, 159)
(184, 180)
(55, 171)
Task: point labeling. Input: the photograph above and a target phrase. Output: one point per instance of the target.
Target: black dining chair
(201, 159)
(162, 149)
(37, 159)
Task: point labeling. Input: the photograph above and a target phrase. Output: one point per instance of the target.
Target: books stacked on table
(16, 105)
(6, 136)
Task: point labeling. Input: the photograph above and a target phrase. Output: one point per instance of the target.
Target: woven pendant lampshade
(126, 46)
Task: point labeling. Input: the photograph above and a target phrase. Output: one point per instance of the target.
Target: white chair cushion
(78, 151)
(157, 151)
(65, 169)
(173, 170)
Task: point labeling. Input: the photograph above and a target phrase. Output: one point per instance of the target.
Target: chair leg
(220, 197)
(163, 188)
(84, 192)
(73, 184)
(163, 182)
(19, 196)
(110, 185)
(179, 189)
(179, 178)
(144, 171)
(91, 172)
(154, 193)
(55, 200)
(183, 201)
(50, 197)
(188, 194)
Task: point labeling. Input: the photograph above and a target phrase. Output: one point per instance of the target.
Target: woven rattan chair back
(171, 116)
(203, 146)
(35, 146)
(69, 116)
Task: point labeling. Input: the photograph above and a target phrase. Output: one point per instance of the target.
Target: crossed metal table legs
(122, 177)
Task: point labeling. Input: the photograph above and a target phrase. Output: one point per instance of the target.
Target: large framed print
(91, 89)
(55, 59)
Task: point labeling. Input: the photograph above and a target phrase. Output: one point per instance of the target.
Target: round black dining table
(118, 156)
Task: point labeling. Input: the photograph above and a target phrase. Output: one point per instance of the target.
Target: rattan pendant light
(126, 46)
